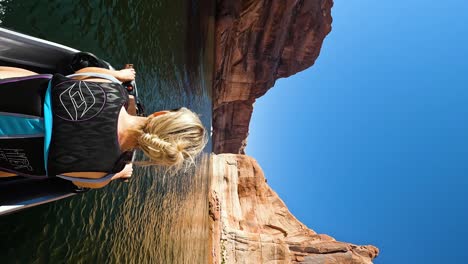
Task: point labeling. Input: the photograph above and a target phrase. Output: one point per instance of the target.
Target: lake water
(154, 218)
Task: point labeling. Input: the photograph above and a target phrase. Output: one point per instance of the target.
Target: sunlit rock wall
(251, 224)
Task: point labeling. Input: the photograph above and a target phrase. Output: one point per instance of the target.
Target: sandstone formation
(250, 223)
(257, 42)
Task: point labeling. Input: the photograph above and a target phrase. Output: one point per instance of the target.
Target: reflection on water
(154, 218)
(175, 208)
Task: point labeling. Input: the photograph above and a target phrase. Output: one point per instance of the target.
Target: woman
(92, 132)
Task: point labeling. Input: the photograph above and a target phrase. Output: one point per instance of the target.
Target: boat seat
(21, 124)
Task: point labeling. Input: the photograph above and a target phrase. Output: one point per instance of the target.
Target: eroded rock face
(251, 224)
(257, 42)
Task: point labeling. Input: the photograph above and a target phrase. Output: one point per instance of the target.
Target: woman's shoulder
(86, 77)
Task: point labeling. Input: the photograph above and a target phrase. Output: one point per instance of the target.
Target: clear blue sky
(370, 145)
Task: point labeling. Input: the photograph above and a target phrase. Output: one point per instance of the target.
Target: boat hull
(41, 56)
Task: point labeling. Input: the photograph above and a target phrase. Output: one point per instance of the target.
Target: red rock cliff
(257, 42)
(251, 224)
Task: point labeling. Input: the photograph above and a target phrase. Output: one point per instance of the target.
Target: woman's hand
(126, 75)
(124, 174)
(127, 171)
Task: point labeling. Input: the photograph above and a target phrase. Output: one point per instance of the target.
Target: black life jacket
(84, 126)
(84, 131)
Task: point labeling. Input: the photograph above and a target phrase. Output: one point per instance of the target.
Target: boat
(45, 57)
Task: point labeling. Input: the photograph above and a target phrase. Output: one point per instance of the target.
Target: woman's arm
(6, 174)
(123, 174)
(124, 75)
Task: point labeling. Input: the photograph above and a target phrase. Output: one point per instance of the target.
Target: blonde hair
(172, 139)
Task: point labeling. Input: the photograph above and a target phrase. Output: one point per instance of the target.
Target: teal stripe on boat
(47, 124)
(20, 126)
